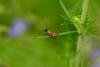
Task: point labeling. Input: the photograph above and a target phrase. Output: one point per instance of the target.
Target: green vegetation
(72, 20)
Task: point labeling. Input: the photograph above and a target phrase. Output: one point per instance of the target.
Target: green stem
(65, 9)
(81, 39)
(84, 10)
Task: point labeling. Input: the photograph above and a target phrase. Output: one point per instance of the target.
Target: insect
(51, 33)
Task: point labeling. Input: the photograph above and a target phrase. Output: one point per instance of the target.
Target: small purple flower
(19, 27)
(95, 53)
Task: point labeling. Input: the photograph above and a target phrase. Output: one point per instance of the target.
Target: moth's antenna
(46, 29)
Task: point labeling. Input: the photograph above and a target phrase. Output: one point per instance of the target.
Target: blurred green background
(29, 50)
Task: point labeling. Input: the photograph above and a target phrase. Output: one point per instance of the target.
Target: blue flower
(18, 27)
(95, 53)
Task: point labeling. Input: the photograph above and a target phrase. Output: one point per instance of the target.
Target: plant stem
(65, 9)
(82, 38)
(84, 10)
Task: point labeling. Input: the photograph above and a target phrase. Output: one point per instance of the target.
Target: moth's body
(51, 34)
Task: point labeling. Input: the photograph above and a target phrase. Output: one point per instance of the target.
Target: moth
(51, 33)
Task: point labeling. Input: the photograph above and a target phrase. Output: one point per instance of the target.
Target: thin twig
(59, 34)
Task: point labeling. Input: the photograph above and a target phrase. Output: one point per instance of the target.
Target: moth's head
(46, 30)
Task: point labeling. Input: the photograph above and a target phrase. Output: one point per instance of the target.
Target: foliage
(69, 19)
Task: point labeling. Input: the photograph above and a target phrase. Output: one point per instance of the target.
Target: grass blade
(84, 10)
(65, 9)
